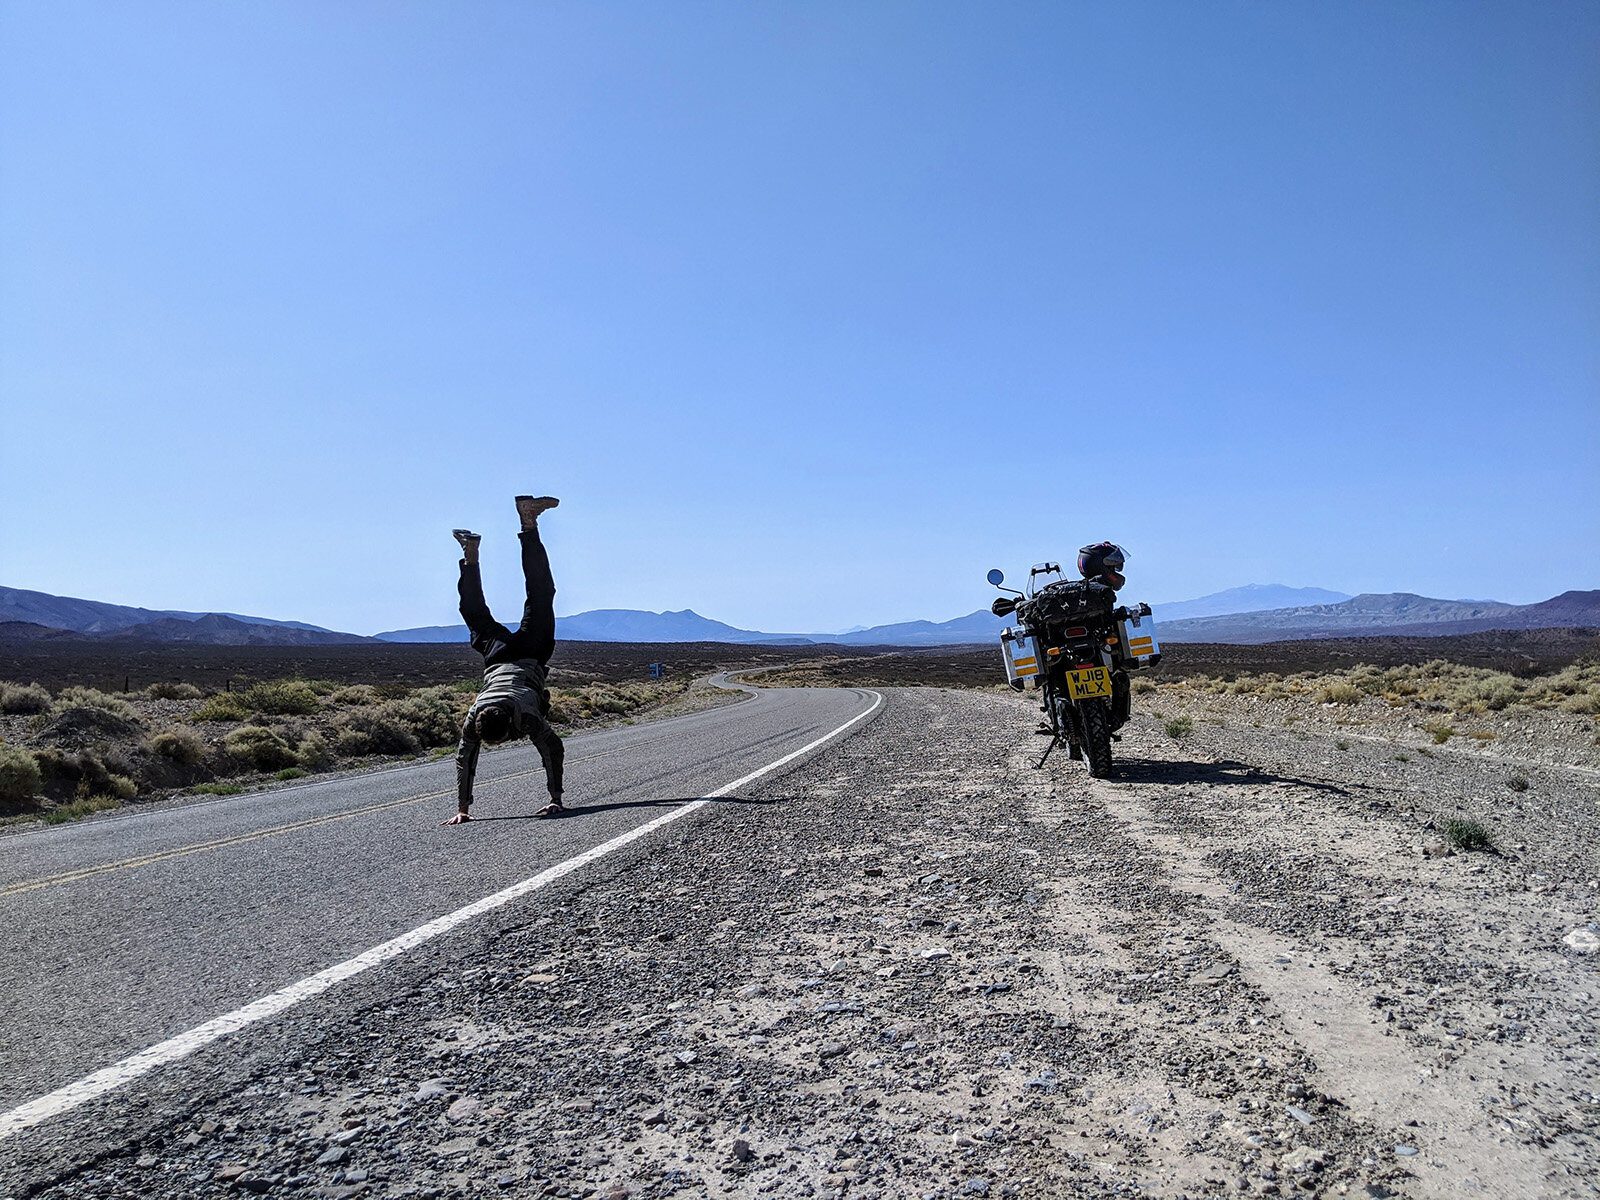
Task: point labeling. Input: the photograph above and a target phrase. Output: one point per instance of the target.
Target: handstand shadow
(586, 810)
(1224, 771)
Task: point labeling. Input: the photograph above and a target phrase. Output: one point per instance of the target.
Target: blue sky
(810, 313)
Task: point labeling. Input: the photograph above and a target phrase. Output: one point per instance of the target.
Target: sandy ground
(920, 967)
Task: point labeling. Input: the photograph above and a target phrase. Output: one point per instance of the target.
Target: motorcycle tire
(1097, 738)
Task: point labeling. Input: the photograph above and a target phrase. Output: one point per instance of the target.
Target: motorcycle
(1075, 645)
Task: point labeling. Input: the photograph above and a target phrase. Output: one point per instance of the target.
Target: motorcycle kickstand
(1054, 742)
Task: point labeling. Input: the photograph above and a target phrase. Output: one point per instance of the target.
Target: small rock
(1405, 1151)
(146, 1160)
(192, 1139)
(1437, 850)
(345, 1136)
(656, 1119)
(976, 1187)
(463, 1108)
(359, 1175)
(1584, 941)
(431, 1089)
(831, 1049)
(539, 980)
(332, 1158)
(231, 1170)
(1215, 973)
(750, 991)
(934, 954)
(684, 1057)
(742, 1151)
(1299, 1114)
(1304, 1159)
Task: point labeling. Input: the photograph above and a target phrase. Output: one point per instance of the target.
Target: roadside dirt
(920, 967)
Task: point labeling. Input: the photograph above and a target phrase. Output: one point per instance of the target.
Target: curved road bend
(118, 933)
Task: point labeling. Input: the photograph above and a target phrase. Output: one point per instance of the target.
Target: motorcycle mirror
(997, 576)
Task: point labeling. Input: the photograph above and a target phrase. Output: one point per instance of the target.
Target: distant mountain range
(632, 625)
(1253, 613)
(26, 615)
(1252, 597)
(1398, 614)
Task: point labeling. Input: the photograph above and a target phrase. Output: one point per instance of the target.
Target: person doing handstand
(515, 701)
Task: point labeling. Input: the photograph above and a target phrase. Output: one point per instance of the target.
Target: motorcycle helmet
(1103, 560)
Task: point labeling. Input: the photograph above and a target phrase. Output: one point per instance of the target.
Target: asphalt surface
(120, 932)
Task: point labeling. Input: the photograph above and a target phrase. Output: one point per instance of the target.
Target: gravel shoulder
(917, 966)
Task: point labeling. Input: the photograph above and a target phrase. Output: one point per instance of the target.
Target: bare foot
(553, 809)
(460, 818)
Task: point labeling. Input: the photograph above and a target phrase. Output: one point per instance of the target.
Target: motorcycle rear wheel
(1097, 738)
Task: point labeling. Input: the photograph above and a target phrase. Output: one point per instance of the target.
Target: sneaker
(529, 508)
(469, 540)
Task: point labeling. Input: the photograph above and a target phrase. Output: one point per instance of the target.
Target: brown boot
(469, 543)
(529, 508)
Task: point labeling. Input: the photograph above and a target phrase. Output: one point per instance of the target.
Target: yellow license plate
(1087, 684)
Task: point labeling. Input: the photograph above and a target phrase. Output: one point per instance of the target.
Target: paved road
(118, 933)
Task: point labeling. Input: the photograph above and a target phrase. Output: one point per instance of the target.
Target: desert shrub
(568, 704)
(433, 716)
(1460, 833)
(182, 746)
(21, 698)
(1367, 678)
(218, 789)
(367, 731)
(1493, 692)
(1179, 728)
(356, 693)
(1141, 686)
(289, 773)
(1339, 693)
(20, 777)
(1584, 703)
(1439, 731)
(224, 706)
(88, 697)
(1518, 783)
(172, 691)
(283, 697)
(263, 748)
(313, 753)
(122, 787)
(82, 807)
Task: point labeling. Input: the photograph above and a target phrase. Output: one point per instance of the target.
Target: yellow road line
(16, 889)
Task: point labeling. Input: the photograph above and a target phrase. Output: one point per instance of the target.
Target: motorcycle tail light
(1077, 631)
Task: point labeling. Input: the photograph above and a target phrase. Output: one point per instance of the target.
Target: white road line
(184, 1044)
